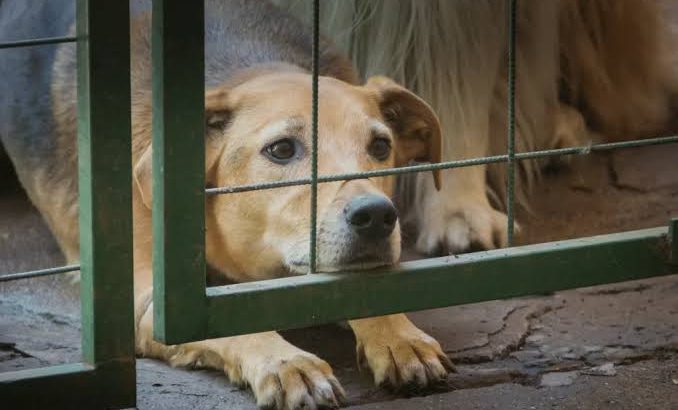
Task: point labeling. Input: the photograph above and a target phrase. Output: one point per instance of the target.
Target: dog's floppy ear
(217, 117)
(413, 122)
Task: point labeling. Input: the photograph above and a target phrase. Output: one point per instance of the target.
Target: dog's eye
(281, 151)
(380, 148)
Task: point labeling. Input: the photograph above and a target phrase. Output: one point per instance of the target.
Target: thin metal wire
(520, 156)
(6, 277)
(510, 158)
(38, 42)
(585, 150)
(511, 161)
(314, 136)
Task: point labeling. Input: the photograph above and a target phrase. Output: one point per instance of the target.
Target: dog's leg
(570, 129)
(281, 375)
(453, 64)
(459, 217)
(459, 82)
(398, 353)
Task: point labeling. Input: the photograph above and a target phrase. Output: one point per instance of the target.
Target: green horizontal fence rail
(439, 282)
(106, 376)
(185, 310)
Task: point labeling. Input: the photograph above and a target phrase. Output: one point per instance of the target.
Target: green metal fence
(106, 375)
(185, 310)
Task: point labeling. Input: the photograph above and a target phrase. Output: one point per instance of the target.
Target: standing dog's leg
(398, 353)
(459, 217)
(281, 375)
(462, 70)
(453, 64)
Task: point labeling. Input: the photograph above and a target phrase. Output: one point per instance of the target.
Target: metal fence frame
(186, 310)
(106, 377)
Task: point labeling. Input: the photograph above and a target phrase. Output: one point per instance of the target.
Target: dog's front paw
(455, 226)
(403, 357)
(300, 382)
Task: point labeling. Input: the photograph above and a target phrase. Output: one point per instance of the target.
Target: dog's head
(259, 129)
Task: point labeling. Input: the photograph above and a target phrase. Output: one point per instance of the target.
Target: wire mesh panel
(106, 377)
(186, 311)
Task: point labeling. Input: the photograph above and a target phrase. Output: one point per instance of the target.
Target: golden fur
(586, 70)
(264, 234)
(580, 74)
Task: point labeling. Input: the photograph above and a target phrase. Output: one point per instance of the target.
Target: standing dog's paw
(409, 361)
(300, 382)
(458, 226)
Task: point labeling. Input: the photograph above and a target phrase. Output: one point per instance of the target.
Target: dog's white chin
(302, 269)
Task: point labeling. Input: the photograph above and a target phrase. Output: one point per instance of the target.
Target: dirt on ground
(609, 347)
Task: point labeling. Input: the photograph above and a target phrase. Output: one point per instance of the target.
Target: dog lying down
(258, 110)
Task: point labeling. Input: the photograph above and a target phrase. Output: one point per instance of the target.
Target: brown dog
(258, 110)
(586, 71)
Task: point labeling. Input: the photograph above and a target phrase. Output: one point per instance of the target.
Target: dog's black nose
(371, 216)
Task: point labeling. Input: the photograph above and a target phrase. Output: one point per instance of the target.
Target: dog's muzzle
(359, 237)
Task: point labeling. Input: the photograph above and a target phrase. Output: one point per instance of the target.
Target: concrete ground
(608, 347)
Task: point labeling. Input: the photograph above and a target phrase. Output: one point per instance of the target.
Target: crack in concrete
(183, 393)
(479, 379)
(505, 349)
(618, 290)
(489, 334)
(11, 349)
(531, 318)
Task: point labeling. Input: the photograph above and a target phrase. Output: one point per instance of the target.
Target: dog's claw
(302, 382)
(408, 363)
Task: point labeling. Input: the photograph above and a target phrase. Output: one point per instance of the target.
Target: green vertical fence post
(179, 299)
(104, 150)
(106, 377)
(104, 155)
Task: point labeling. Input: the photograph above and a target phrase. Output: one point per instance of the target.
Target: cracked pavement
(613, 346)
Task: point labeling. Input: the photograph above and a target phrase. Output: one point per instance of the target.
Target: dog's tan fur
(587, 70)
(264, 234)
(250, 235)
(614, 87)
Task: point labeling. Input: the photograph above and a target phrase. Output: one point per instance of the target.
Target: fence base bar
(110, 385)
(454, 280)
